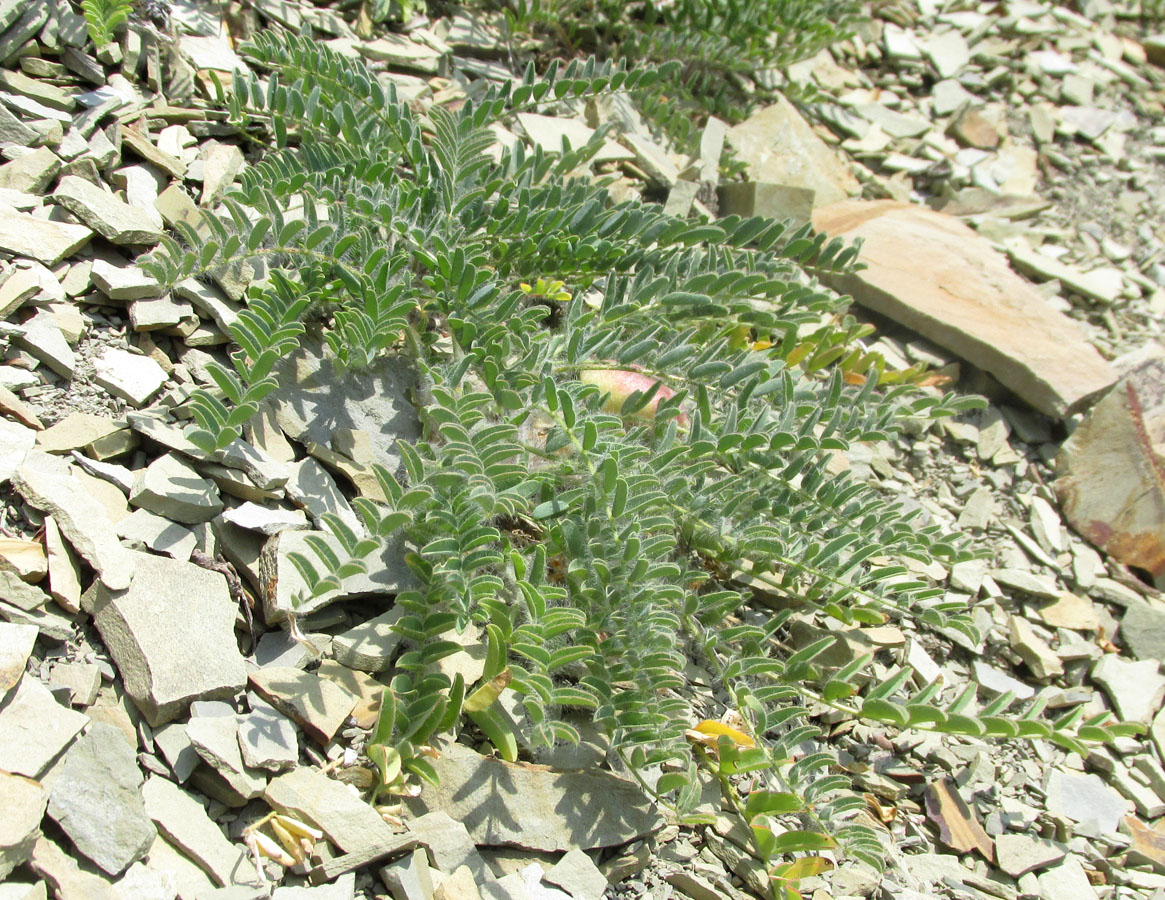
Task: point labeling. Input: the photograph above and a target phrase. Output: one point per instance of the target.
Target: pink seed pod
(619, 384)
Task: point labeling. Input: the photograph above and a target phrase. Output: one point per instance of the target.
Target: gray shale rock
(148, 628)
(40, 239)
(536, 807)
(172, 488)
(23, 802)
(962, 295)
(43, 480)
(34, 729)
(112, 218)
(185, 824)
(349, 823)
(96, 799)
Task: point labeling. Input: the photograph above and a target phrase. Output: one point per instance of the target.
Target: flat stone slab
(40, 239)
(185, 824)
(1108, 471)
(536, 807)
(15, 441)
(125, 282)
(44, 481)
(16, 591)
(780, 147)
(23, 801)
(1018, 854)
(312, 488)
(320, 706)
(371, 645)
(171, 488)
(450, 846)
(112, 218)
(16, 643)
(159, 534)
(130, 376)
(264, 519)
(349, 823)
(268, 740)
(962, 295)
(177, 750)
(314, 401)
(96, 800)
(1085, 799)
(148, 629)
(43, 339)
(1136, 689)
(76, 431)
(1067, 881)
(282, 582)
(69, 881)
(216, 739)
(35, 728)
(185, 875)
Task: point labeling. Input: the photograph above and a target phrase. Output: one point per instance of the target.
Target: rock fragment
(1143, 631)
(779, 146)
(158, 534)
(40, 239)
(23, 801)
(16, 643)
(475, 790)
(371, 645)
(15, 441)
(1018, 854)
(1085, 799)
(320, 706)
(147, 631)
(1109, 471)
(34, 729)
(283, 583)
(962, 296)
(216, 739)
(409, 878)
(96, 800)
(1067, 881)
(449, 844)
(577, 874)
(268, 740)
(1136, 689)
(184, 822)
(112, 218)
(42, 337)
(68, 880)
(347, 821)
(130, 376)
(173, 489)
(43, 480)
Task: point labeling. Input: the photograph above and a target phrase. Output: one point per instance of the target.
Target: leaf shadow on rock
(536, 807)
(314, 400)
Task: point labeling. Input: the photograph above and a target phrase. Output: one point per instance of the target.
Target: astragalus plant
(628, 420)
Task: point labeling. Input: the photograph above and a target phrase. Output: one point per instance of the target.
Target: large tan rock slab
(779, 146)
(1111, 471)
(933, 274)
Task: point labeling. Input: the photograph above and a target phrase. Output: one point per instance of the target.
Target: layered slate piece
(934, 275)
